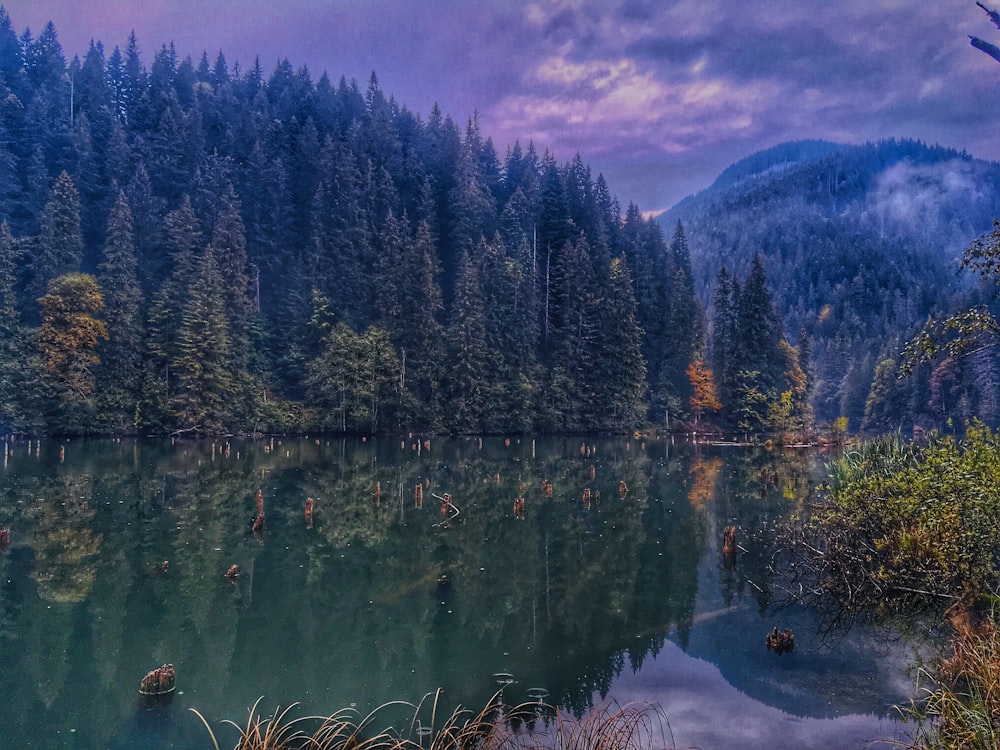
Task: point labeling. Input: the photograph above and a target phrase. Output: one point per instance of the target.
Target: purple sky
(658, 95)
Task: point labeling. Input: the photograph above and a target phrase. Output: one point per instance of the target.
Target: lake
(609, 586)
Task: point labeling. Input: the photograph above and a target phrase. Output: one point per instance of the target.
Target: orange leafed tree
(704, 396)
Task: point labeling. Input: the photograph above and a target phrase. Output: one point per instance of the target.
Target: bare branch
(994, 16)
(990, 49)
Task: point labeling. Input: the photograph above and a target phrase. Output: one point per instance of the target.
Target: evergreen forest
(191, 247)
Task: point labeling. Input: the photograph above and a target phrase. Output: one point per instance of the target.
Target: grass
(960, 707)
(496, 726)
(882, 456)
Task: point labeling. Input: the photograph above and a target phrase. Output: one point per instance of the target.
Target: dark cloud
(658, 96)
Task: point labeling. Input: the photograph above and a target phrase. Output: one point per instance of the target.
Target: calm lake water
(119, 550)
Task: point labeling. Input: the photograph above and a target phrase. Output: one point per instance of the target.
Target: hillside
(859, 244)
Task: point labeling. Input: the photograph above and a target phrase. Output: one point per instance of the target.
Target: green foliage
(354, 380)
(914, 525)
(957, 335)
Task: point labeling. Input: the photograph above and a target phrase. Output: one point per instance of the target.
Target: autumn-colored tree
(67, 342)
(704, 396)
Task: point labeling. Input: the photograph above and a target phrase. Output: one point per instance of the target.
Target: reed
(638, 726)
(960, 706)
(882, 456)
(274, 733)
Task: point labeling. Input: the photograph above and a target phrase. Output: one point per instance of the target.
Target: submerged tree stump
(160, 681)
(780, 641)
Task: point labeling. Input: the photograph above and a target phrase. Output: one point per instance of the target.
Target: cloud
(631, 84)
(923, 199)
(619, 103)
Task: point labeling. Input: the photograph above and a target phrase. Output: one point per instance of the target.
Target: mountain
(763, 164)
(860, 244)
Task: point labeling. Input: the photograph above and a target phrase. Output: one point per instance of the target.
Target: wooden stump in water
(780, 641)
(729, 540)
(729, 547)
(160, 681)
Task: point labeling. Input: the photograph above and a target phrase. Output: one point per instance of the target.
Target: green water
(625, 599)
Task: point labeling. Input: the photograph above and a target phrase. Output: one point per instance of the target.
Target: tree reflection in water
(366, 596)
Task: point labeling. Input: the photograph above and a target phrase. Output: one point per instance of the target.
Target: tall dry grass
(960, 705)
(528, 726)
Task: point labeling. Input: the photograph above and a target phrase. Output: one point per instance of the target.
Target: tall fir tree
(725, 338)
(468, 380)
(182, 239)
(230, 248)
(13, 339)
(759, 328)
(120, 370)
(617, 365)
(203, 398)
(58, 248)
(421, 343)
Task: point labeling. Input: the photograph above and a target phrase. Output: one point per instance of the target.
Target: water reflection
(568, 568)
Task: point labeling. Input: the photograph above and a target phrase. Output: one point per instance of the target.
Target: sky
(658, 96)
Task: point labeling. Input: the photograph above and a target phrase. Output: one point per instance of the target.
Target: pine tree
(59, 244)
(468, 374)
(13, 343)
(472, 205)
(339, 247)
(618, 368)
(182, 239)
(759, 328)
(569, 396)
(421, 343)
(684, 322)
(230, 248)
(725, 338)
(120, 371)
(203, 398)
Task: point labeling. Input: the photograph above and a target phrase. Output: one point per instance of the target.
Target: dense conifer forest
(188, 246)
(861, 246)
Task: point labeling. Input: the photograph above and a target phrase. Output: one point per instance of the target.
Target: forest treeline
(192, 246)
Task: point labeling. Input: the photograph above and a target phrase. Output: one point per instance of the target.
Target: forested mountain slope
(860, 244)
